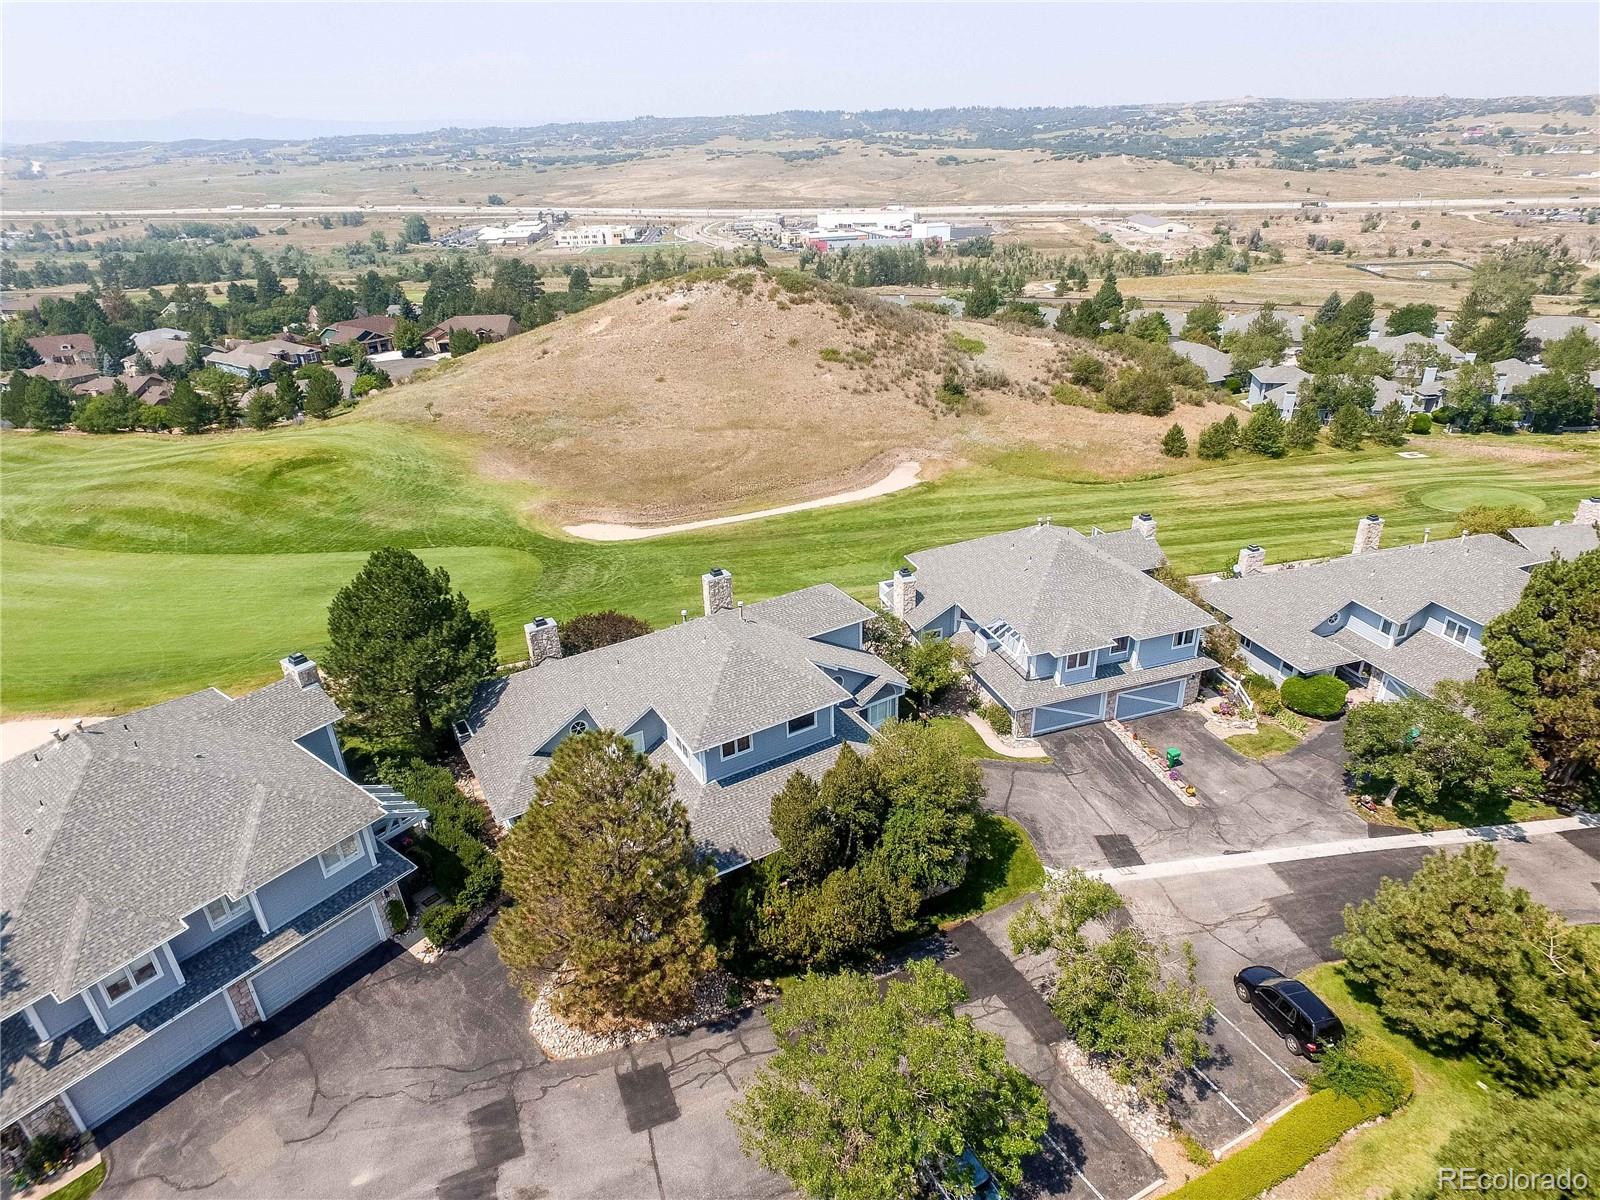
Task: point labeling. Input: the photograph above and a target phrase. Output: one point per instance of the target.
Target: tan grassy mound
(735, 390)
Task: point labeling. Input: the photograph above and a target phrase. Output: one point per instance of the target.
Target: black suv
(1296, 1013)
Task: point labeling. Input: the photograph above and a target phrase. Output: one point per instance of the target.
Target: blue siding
(291, 893)
(325, 746)
(766, 745)
(1159, 651)
(550, 746)
(944, 624)
(1264, 662)
(650, 730)
(1434, 618)
(848, 635)
(58, 1018)
(122, 1011)
(199, 935)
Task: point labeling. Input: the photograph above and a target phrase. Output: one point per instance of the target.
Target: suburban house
(487, 328)
(733, 702)
(1278, 386)
(100, 385)
(261, 357)
(375, 335)
(1398, 344)
(1293, 322)
(1510, 374)
(1215, 363)
(1548, 329)
(70, 374)
(147, 339)
(1424, 397)
(1394, 621)
(1065, 628)
(172, 876)
(173, 353)
(75, 349)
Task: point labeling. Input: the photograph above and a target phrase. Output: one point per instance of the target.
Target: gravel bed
(1146, 1124)
(561, 1040)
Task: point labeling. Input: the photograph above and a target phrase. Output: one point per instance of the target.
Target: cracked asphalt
(1095, 801)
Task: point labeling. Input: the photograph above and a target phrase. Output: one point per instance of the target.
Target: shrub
(1215, 441)
(1315, 695)
(1263, 694)
(1087, 371)
(1359, 1068)
(1142, 391)
(399, 918)
(1421, 422)
(590, 631)
(830, 354)
(999, 718)
(964, 344)
(443, 923)
(1175, 444)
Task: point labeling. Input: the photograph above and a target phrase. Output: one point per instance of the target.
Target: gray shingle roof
(1549, 328)
(1217, 365)
(1061, 590)
(115, 834)
(1278, 376)
(1478, 577)
(1564, 541)
(709, 679)
(1422, 661)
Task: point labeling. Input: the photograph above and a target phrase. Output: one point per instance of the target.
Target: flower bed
(1155, 758)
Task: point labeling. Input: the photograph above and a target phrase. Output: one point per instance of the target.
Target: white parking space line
(1258, 1049)
(1275, 1115)
(1068, 1160)
(1226, 1099)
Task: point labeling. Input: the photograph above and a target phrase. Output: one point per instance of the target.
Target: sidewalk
(1258, 858)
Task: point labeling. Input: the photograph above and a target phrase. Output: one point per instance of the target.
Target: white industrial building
(521, 233)
(595, 235)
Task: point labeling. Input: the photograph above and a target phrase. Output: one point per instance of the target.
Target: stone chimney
(903, 592)
(1369, 531)
(716, 589)
(300, 669)
(1588, 512)
(1252, 560)
(1145, 525)
(543, 636)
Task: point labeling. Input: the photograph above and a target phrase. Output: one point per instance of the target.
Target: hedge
(1304, 1132)
(1315, 695)
(443, 923)
(1263, 694)
(998, 717)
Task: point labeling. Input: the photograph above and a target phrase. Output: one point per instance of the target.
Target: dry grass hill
(729, 390)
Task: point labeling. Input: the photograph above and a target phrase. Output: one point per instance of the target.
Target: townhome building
(1065, 628)
(375, 335)
(1279, 386)
(732, 702)
(172, 877)
(1394, 621)
(261, 357)
(486, 327)
(73, 349)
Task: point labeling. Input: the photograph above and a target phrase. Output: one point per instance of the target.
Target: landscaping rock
(1146, 1124)
(561, 1040)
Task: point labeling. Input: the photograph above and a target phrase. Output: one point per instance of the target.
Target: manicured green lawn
(1268, 739)
(973, 745)
(83, 1186)
(1004, 867)
(1397, 1156)
(135, 568)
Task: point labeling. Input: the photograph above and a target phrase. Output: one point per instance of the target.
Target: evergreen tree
(1348, 428)
(286, 398)
(1214, 442)
(983, 300)
(261, 412)
(187, 409)
(462, 342)
(1389, 429)
(1264, 432)
(606, 887)
(14, 402)
(1230, 430)
(1203, 323)
(1064, 318)
(1328, 313)
(404, 651)
(323, 393)
(1176, 443)
(1303, 428)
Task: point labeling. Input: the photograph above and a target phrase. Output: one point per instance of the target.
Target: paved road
(1097, 805)
(1580, 192)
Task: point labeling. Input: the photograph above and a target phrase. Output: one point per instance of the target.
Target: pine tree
(1329, 312)
(1264, 433)
(1348, 428)
(1176, 443)
(1390, 427)
(606, 887)
(1214, 442)
(1303, 427)
(1230, 430)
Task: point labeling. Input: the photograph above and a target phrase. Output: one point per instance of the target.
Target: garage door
(1047, 718)
(174, 1046)
(302, 969)
(1141, 702)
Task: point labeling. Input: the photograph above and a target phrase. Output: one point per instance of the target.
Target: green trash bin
(1174, 757)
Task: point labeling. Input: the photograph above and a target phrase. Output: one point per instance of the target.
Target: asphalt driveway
(1096, 805)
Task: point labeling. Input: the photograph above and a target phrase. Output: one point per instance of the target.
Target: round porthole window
(578, 727)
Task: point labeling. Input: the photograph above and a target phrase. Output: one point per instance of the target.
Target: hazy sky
(196, 68)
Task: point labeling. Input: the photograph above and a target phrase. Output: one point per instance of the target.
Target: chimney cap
(297, 659)
(1372, 517)
(716, 572)
(541, 622)
(1144, 516)
(1252, 547)
(905, 572)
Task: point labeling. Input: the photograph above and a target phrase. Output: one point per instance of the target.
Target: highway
(1045, 208)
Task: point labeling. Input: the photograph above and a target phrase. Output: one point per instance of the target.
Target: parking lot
(1097, 805)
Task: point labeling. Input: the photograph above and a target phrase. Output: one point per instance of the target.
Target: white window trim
(236, 909)
(1463, 631)
(360, 852)
(750, 746)
(793, 732)
(1184, 637)
(1121, 645)
(135, 986)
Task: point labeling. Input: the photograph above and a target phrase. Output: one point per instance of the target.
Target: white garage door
(1141, 702)
(174, 1046)
(302, 969)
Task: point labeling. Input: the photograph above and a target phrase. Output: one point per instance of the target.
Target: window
(1183, 638)
(1456, 631)
(578, 727)
(739, 745)
(1386, 627)
(801, 724)
(220, 911)
(1076, 662)
(1401, 630)
(341, 854)
(1121, 644)
(137, 974)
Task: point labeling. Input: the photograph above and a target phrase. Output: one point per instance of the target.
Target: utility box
(1174, 757)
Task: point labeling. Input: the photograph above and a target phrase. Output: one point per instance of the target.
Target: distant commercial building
(519, 233)
(1164, 226)
(595, 235)
(879, 227)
